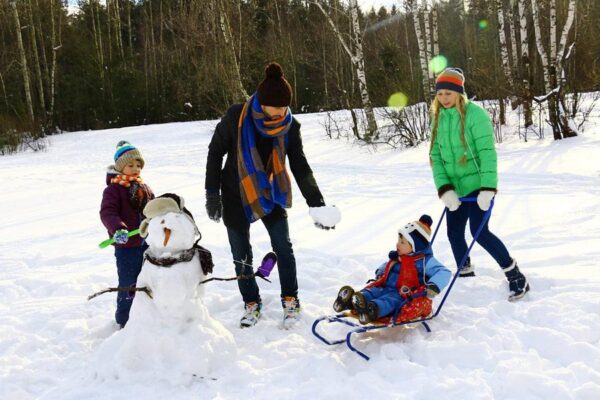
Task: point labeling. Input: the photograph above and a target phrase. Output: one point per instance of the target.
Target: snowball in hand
(326, 216)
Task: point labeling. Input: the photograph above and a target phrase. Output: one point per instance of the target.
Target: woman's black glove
(214, 208)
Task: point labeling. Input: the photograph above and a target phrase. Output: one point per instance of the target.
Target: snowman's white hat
(165, 203)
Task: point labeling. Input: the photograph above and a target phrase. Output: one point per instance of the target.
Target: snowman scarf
(205, 256)
(262, 188)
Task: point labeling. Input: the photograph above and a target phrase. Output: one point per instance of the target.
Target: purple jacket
(117, 212)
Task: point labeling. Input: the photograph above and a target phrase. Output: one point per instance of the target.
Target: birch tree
(36, 58)
(434, 28)
(56, 43)
(553, 65)
(414, 7)
(513, 37)
(233, 67)
(24, 68)
(355, 52)
(428, 46)
(504, 54)
(525, 67)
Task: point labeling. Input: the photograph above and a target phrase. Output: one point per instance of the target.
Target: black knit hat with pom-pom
(274, 90)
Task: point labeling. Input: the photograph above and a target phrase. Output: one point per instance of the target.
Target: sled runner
(395, 320)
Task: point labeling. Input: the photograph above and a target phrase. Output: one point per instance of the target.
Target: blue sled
(357, 328)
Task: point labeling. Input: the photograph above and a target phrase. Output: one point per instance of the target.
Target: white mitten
(450, 200)
(484, 198)
(325, 217)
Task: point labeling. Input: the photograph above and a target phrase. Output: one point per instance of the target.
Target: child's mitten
(432, 290)
(121, 236)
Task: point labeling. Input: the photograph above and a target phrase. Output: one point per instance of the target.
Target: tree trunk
(513, 38)
(553, 53)
(97, 30)
(40, 38)
(409, 55)
(357, 59)
(503, 45)
(37, 63)
(360, 73)
(233, 68)
(525, 68)
(422, 52)
(428, 47)
(552, 64)
(118, 30)
(129, 32)
(24, 68)
(55, 48)
(434, 28)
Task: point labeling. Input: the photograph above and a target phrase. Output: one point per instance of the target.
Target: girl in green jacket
(463, 159)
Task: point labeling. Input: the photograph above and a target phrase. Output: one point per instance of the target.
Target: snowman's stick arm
(144, 289)
(234, 278)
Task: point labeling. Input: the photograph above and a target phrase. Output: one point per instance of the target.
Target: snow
(481, 346)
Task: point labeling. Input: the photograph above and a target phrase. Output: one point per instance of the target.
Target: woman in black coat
(254, 184)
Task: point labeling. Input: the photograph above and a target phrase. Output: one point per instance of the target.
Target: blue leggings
(456, 222)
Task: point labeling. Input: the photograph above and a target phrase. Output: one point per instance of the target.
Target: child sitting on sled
(410, 279)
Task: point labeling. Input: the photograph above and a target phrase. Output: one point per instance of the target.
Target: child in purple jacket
(123, 201)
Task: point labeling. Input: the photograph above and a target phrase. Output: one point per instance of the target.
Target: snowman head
(169, 227)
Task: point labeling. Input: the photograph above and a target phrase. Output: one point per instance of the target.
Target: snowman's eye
(162, 222)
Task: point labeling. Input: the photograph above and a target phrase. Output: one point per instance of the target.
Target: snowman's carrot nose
(167, 236)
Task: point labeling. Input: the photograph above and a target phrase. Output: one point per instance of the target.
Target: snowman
(170, 333)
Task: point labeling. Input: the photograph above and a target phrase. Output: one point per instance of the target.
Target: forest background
(117, 63)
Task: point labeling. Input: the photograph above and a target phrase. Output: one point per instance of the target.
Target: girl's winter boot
(517, 283)
(467, 270)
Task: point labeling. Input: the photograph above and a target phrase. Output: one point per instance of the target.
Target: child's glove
(484, 199)
(214, 208)
(121, 236)
(432, 290)
(325, 217)
(450, 200)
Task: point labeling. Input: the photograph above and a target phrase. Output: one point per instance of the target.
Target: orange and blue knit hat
(451, 79)
(126, 153)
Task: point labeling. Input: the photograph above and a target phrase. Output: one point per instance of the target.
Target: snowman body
(175, 288)
(171, 335)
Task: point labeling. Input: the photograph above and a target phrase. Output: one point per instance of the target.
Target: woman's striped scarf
(261, 188)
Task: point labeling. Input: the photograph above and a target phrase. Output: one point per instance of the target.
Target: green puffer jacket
(480, 170)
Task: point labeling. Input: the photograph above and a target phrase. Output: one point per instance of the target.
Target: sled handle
(484, 221)
(463, 199)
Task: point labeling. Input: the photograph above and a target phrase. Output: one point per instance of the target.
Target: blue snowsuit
(388, 298)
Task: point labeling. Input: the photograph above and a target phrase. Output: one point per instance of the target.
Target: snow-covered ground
(481, 347)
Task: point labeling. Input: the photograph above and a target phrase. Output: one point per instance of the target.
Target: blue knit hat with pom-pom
(418, 233)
